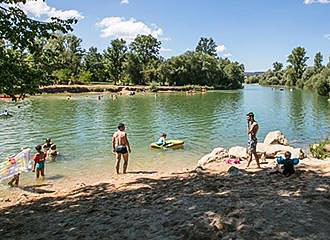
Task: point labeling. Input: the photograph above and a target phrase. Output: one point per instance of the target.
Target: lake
(82, 127)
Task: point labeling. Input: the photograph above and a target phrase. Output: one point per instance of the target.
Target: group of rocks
(275, 144)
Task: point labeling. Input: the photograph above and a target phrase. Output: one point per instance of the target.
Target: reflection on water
(82, 127)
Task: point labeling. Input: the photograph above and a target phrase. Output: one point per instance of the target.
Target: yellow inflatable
(169, 144)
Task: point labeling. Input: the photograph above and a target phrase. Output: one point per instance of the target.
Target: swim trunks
(121, 149)
(252, 145)
(40, 165)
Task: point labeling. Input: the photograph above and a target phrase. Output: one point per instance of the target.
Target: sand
(195, 204)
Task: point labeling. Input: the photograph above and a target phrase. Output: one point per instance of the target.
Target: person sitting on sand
(120, 146)
(39, 162)
(288, 164)
(52, 153)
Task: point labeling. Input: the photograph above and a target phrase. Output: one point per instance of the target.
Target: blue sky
(255, 32)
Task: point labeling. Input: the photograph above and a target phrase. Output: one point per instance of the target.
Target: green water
(83, 126)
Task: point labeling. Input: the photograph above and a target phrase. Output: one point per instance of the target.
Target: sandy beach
(194, 204)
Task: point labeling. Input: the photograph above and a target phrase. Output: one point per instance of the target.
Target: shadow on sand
(195, 205)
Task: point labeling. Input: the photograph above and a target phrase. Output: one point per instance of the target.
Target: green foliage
(85, 77)
(298, 60)
(318, 62)
(114, 59)
(20, 34)
(318, 151)
(297, 74)
(277, 66)
(93, 62)
(207, 46)
(252, 79)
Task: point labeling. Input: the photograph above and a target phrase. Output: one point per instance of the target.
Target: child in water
(52, 153)
(39, 162)
(15, 180)
(288, 164)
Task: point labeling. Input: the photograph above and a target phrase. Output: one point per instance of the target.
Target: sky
(253, 32)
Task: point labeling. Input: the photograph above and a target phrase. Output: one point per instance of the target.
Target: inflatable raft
(169, 144)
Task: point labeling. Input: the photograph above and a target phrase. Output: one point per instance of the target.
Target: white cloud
(227, 55)
(220, 48)
(165, 49)
(316, 1)
(327, 36)
(40, 9)
(119, 27)
(124, 2)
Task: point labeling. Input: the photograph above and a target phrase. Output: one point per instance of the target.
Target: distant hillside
(248, 74)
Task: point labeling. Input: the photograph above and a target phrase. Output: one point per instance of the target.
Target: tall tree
(277, 66)
(298, 61)
(207, 46)
(318, 59)
(146, 47)
(93, 63)
(114, 59)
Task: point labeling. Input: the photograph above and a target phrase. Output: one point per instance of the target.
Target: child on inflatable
(162, 140)
(52, 153)
(288, 164)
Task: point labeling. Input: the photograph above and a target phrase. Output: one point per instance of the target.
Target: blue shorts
(40, 165)
(252, 145)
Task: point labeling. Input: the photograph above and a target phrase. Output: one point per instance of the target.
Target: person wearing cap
(121, 147)
(252, 131)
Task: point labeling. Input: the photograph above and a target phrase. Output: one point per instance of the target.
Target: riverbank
(192, 204)
(96, 88)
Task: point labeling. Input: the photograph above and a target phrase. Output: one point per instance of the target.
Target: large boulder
(271, 151)
(238, 152)
(216, 154)
(276, 137)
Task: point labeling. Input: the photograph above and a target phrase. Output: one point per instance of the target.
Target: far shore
(109, 88)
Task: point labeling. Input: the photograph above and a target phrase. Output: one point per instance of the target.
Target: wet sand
(196, 204)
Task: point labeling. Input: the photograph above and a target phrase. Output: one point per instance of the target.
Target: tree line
(34, 54)
(297, 73)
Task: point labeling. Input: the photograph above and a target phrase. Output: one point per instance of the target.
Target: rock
(276, 149)
(276, 137)
(326, 147)
(238, 152)
(216, 154)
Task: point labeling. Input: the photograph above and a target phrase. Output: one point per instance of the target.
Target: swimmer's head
(38, 147)
(121, 126)
(250, 116)
(163, 135)
(48, 140)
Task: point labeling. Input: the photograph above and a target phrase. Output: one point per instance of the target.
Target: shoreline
(200, 203)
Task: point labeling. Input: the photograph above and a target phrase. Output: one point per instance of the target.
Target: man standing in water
(252, 131)
(120, 146)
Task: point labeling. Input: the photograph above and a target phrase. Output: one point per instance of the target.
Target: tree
(277, 66)
(146, 48)
(93, 63)
(207, 46)
(298, 61)
(114, 59)
(318, 59)
(19, 34)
